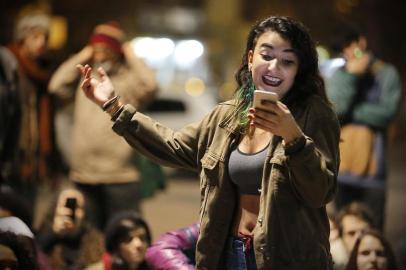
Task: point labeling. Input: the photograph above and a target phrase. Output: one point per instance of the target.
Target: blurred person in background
(337, 248)
(266, 175)
(15, 253)
(365, 92)
(103, 166)
(174, 250)
(10, 114)
(127, 237)
(372, 251)
(24, 239)
(69, 241)
(36, 155)
(352, 220)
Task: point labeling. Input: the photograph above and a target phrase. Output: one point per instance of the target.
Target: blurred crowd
(95, 220)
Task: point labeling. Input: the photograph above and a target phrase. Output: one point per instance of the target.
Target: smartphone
(260, 95)
(71, 203)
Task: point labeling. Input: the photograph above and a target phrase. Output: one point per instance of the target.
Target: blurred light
(153, 49)
(187, 51)
(58, 32)
(182, 20)
(323, 53)
(194, 87)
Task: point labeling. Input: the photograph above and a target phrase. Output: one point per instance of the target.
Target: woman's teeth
(272, 81)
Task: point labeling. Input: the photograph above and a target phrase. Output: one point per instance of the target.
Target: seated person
(17, 246)
(372, 251)
(337, 248)
(352, 220)
(127, 238)
(175, 250)
(70, 242)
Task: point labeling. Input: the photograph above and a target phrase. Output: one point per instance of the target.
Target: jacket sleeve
(161, 144)
(341, 90)
(174, 250)
(65, 79)
(313, 170)
(379, 114)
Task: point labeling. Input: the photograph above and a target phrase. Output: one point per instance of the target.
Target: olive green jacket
(292, 231)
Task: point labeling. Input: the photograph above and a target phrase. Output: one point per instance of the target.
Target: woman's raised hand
(97, 90)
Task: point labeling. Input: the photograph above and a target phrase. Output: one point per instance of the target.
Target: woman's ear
(250, 57)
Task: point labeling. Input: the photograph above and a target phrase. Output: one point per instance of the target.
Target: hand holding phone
(261, 95)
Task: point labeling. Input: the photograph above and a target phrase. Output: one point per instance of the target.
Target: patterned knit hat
(28, 22)
(110, 34)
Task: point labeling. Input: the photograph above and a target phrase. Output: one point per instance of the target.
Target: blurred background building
(195, 47)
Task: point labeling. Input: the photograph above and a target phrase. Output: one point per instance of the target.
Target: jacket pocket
(208, 180)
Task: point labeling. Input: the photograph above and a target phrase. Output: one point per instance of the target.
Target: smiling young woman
(263, 195)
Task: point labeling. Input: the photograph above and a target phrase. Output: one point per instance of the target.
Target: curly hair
(308, 80)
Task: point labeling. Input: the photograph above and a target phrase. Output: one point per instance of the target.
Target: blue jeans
(240, 254)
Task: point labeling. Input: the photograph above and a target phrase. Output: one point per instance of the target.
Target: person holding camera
(102, 166)
(69, 241)
(266, 175)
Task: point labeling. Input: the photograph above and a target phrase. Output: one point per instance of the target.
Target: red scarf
(38, 76)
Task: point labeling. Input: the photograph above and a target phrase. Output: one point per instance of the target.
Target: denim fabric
(238, 258)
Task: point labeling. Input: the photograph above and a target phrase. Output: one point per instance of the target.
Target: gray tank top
(245, 170)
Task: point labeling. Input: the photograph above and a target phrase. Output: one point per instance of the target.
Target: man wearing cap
(102, 165)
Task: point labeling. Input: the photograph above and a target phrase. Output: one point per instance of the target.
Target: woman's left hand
(277, 119)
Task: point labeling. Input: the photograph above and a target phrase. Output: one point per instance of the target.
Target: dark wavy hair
(118, 230)
(308, 80)
(390, 256)
(23, 248)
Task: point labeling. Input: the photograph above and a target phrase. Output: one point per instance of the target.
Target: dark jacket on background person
(74, 251)
(292, 230)
(174, 250)
(36, 148)
(10, 113)
(366, 105)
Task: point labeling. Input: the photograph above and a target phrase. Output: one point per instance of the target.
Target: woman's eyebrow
(269, 46)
